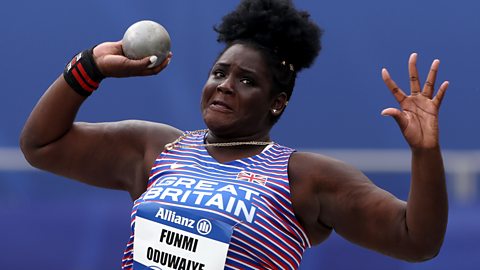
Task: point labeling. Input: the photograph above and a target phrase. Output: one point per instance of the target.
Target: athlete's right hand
(112, 62)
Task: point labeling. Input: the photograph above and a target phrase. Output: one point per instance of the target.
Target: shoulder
(324, 176)
(318, 167)
(151, 133)
(329, 177)
(144, 125)
(147, 139)
(319, 184)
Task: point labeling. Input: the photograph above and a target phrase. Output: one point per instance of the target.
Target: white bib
(168, 237)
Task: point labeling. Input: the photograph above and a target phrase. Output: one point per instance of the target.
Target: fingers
(166, 61)
(429, 86)
(120, 66)
(151, 68)
(391, 112)
(441, 93)
(153, 60)
(397, 115)
(413, 72)
(396, 91)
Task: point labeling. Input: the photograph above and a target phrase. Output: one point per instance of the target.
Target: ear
(279, 103)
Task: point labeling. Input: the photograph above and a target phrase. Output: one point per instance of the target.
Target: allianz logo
(203, 226)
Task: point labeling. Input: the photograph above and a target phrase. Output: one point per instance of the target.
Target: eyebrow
(246, 70)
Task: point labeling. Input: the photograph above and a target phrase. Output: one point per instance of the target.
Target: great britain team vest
(199, 214)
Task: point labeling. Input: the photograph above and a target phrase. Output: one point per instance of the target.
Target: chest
(235, 193)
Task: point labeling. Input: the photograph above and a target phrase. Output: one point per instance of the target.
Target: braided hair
(289, 39)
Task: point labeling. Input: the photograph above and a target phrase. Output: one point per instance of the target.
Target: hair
(288, 38)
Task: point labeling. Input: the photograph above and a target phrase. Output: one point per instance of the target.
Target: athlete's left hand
(418, 117)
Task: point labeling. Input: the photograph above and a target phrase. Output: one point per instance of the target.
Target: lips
(218, 105)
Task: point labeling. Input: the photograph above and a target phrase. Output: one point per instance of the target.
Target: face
(237, 99)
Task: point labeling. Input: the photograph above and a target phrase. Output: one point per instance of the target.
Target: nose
(226, 86)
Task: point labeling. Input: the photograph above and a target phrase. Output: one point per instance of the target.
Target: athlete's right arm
(113, 155)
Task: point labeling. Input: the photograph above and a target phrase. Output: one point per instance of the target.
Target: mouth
(220, 106)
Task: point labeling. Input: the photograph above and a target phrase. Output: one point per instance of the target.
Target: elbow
(27, 150)
(30, 151)
(423, 256)
(422, 253)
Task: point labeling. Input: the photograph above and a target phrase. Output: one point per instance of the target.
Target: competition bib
(168, 237)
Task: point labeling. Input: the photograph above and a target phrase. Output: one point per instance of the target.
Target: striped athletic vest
(252, 194)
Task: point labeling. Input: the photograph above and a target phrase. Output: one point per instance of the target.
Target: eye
(246, 81)
(218, 74)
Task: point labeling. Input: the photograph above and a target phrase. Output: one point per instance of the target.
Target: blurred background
(50, 222)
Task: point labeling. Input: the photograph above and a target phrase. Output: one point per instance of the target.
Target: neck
(211, 138)
(226, 149)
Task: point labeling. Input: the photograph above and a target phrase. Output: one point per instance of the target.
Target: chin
(220, 127)
(214, 122)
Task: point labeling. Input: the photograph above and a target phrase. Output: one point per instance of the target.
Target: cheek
(202, 100)
(207, 92)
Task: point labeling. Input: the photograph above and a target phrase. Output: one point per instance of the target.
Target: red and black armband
(82, 74)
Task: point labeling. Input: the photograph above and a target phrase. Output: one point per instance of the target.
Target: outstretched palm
(418, 117)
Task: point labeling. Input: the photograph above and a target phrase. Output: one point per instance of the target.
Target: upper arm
(114, 155)
(347, 201)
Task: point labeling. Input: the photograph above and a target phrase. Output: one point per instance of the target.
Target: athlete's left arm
(347, 201)
(328, 193)
(427, 208)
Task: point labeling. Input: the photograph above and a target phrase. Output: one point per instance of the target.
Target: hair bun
(277, 25)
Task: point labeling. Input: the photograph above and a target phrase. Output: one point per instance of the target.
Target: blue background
(49, 222)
